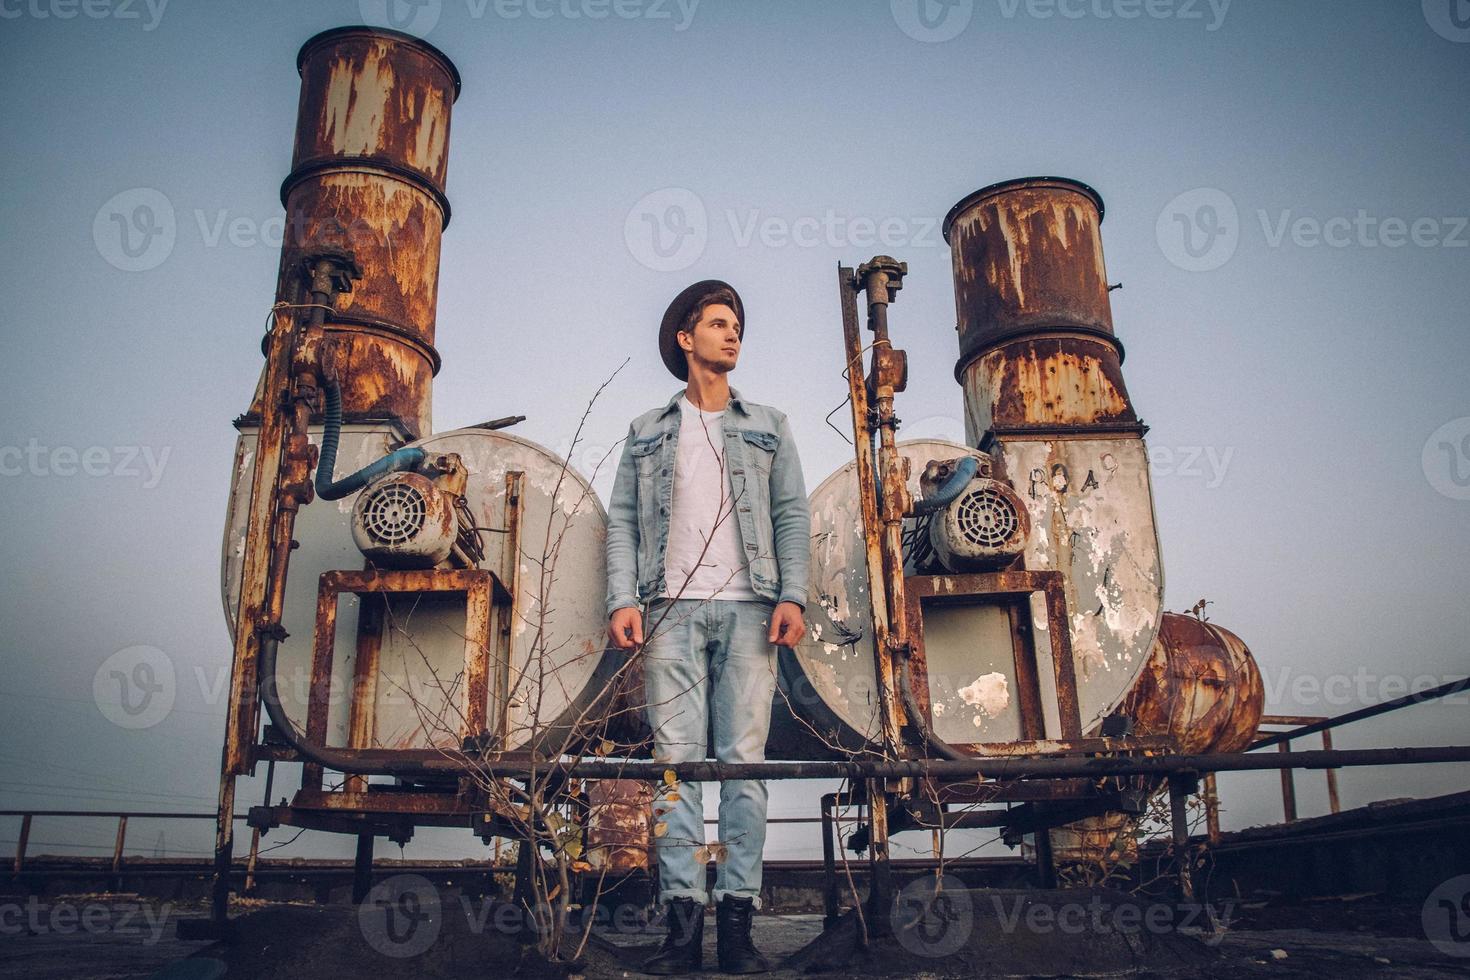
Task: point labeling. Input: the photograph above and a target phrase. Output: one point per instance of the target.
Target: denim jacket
(765, 479)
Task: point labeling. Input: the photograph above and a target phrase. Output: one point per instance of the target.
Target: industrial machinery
(432, 623)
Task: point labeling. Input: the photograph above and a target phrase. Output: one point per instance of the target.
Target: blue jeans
(709, 658)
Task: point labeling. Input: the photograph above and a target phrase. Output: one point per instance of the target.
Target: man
(708, 527)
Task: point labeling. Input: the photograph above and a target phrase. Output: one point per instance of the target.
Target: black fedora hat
(668, 345)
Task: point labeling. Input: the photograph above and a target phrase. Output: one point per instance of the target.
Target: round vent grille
(987, 518)
(394, 513)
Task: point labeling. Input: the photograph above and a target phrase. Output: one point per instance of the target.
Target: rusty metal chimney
(1037, 350)
(367, 176)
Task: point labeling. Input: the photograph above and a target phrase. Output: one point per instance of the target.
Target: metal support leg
(829, 863)
(362, 869)
(1180, 786)
(1046, 864)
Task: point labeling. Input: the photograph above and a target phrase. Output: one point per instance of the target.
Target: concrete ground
(116, 936)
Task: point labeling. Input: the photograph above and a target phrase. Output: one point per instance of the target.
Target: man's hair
(710, 298)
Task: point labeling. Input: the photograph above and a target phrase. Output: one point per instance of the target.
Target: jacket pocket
(760, 448)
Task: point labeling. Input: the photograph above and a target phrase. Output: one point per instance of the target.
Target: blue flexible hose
(963, 473)
(400, 459)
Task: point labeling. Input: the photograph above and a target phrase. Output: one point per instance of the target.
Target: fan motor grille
(394, 513)
(987, 518)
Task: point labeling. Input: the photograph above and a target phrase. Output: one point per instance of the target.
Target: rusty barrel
(1037, 350)
(1200, 685)
(368, 176)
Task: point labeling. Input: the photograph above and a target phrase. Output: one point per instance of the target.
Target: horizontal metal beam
(989, 768)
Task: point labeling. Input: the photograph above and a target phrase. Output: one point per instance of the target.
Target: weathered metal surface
(1201, 685)
(618, 823)
(367, 177)
(375, 94)
(1111, 586)
(1043, 385)
(449, 707)
(953, 618)
(1027, 257)
(1092, 518)
(830, 683)
(558, 664)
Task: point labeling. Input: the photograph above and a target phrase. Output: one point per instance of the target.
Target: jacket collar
(735, 402)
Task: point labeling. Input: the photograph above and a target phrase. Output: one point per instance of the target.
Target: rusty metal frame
(1013, 589)
(484, 593)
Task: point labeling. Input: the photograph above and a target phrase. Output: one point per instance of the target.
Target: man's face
(715, 342)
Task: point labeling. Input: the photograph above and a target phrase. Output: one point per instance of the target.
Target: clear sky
(1286, 189)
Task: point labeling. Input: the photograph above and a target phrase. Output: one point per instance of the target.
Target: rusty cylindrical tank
(1201, 685)
(368, 176)
(1037, 349)
(1043, 391)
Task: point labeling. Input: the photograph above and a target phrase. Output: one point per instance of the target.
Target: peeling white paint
(988, 692)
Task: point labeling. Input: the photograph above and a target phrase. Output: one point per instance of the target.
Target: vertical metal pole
(20, 845)
(117, 851)
(1288, 788)
(1212, 808)
(1046, 864)
(362, 869)
(829, 862)
(1179, 789)
(1331, 773)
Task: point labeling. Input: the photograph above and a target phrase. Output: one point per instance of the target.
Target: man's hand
(625, 628)
(786, 625)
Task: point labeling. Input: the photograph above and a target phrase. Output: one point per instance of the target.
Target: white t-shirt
(704, 511)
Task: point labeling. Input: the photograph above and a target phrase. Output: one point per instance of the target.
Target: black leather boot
(732, 930)
(683, 948)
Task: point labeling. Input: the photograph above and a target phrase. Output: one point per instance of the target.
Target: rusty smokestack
(1037, 350)
(368, 176)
